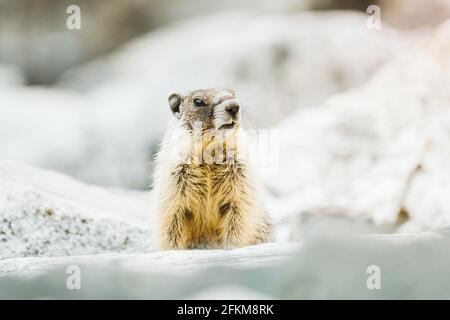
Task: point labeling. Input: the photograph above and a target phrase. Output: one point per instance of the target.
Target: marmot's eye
(199, 102)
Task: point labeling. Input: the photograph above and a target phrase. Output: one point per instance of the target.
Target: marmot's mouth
(227, 125)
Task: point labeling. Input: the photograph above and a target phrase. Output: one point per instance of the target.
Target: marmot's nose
(232, 109)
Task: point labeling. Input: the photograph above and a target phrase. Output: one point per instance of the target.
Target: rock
(324, 268)
(171, 262)
(331, 221)
(29, 30)
(78, 135)
(10, 75)
(404, 13)
(276, 62)
(377, 150)
(225, 292)
(47, 214)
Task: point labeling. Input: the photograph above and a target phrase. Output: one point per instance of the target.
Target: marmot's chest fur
(205, 205)
(215, 195)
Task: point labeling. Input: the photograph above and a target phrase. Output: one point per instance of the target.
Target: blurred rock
(415, 13)
(108, 134)
(331, 221)
(276, 63)
(48, 214)
(184, 262)
(235, 292)
(86, 137)
(379, 150)
(45, 213)
(360, 5)
(34, 36)
(324, 268)
(10, 75)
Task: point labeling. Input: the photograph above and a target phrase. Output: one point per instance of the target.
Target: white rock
(360, 150)
(276, 62)
(324, 268)
(404, 14)
(169, 262)
(48, 214)
(231, 292)
(10, 75)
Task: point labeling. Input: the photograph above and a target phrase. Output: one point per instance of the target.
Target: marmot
(203, 188)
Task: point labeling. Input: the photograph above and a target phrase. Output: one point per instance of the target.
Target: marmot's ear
(174, 103)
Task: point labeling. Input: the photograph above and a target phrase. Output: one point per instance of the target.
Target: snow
(48, 214)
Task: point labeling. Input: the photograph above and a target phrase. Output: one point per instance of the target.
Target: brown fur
(209, 205)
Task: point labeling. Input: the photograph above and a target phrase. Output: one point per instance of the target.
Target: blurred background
(35, 38)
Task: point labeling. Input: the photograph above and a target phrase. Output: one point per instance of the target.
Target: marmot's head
(206, 109)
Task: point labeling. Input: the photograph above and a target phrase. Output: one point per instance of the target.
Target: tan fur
(206, 205)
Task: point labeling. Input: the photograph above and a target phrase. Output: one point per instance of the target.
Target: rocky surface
(48, 214)
(185, 262)
(377, 150)
(404, 13)
(325, 268)
(45, 213)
